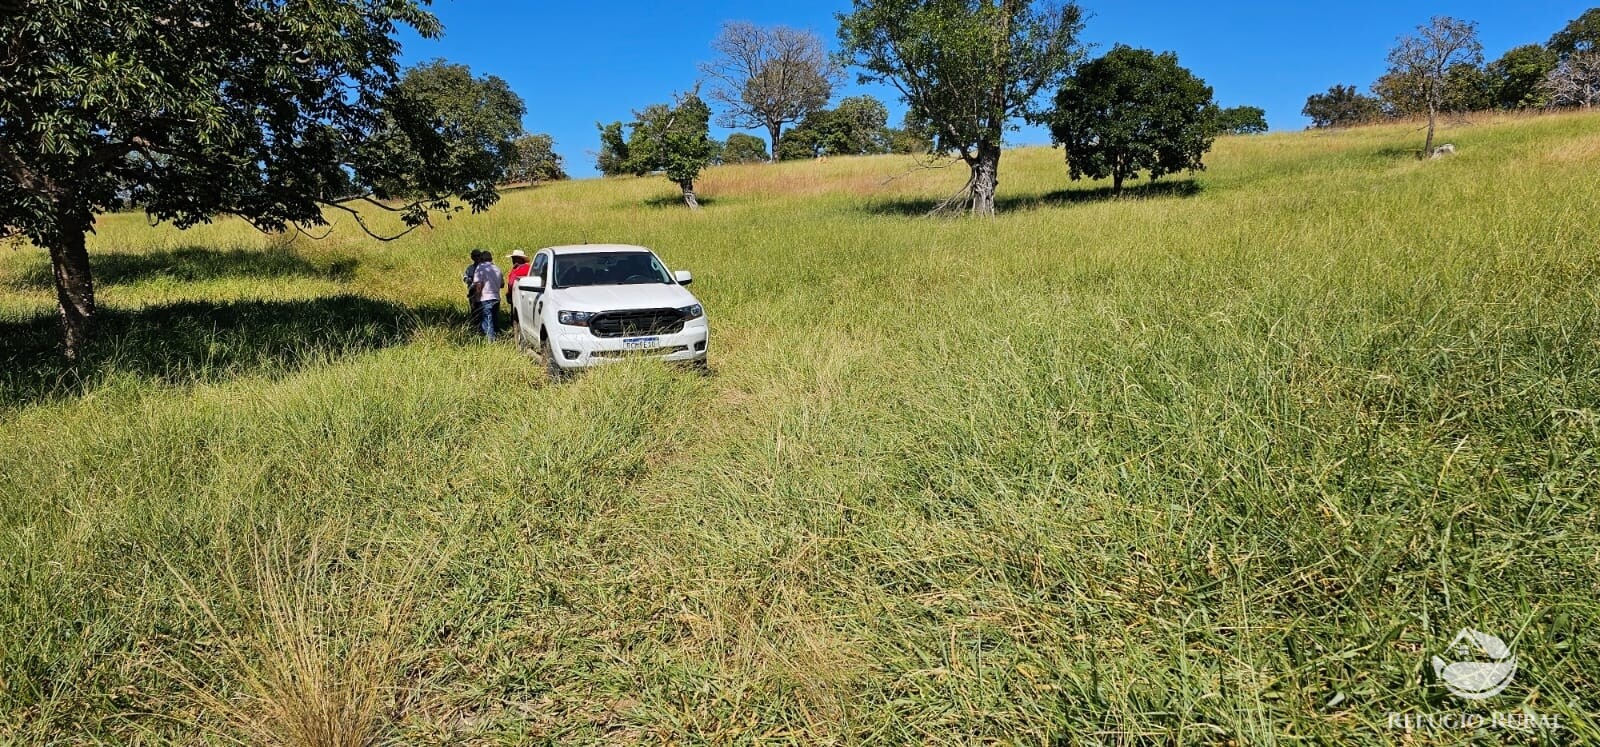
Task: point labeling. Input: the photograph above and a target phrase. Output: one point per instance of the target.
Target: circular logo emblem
(1483, 665)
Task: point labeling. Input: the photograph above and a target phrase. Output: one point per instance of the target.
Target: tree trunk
(687, 186)
(69, 260)
(1427, 147)
(985, 178)
(776, 132)
(1116, 183)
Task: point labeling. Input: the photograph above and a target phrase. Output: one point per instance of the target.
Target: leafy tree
(471, 126)
(1468, 88)
(1423, 62)
(536, 160)
(1518, 76)
(742, 148)
(1130, 111)
(858, 126)
(1242, 120)
(1399, 95)
(1465, 88)
(803, 142)
(911, 137)
(270, 111)
(1582, 34)
(769, 77)
(1341, 106)
(612, 160)
(670, 139)
(969, 68)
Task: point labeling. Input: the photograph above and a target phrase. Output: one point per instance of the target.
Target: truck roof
(576, 248)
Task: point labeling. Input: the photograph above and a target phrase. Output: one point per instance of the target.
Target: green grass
(1213, 465)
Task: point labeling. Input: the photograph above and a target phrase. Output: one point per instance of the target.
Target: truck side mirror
(532, 284)
(683, 277)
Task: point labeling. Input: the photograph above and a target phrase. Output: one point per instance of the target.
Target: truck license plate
(641, 343)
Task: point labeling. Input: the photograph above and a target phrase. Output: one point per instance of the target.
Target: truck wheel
(552, 370)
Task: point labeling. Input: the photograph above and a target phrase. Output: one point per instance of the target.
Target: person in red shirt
(519, 270)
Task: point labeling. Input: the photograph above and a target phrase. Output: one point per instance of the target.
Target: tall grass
(1215, 465)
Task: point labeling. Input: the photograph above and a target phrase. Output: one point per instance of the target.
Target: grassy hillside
(1223, 463)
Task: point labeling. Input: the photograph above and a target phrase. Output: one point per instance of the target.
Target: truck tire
(552, 370)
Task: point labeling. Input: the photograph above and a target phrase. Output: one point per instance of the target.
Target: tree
(612, 160)
(1424, 61)
(769, 77)
(804, 142)
(969, 68)
(1130, 111)
(1518, 76)
(1341, 106)
(1582, 34)
(670, 139)
(536, 160)
(1576, 81)
(858, 126)
(270, 111)
(1399, 95)
(471, 125)
(742, 148)
(911, 137)
(1242, 120)
(1465, 88)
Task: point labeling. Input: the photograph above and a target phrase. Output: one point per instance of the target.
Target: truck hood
(615, 297)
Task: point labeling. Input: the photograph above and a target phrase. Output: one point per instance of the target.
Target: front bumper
(580, 349)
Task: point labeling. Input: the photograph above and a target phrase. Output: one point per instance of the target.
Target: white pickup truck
(581, 306)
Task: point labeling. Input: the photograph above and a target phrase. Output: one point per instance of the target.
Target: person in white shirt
(486, 284)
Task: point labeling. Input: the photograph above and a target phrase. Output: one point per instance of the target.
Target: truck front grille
(636, 322)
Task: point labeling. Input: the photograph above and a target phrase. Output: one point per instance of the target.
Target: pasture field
(1224, 462)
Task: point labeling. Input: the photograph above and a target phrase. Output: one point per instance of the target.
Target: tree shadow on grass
(193, 264)
(196, 342)
(676, 201)
(1399, 152)
(1011, 203)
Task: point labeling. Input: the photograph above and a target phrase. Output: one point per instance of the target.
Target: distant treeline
(1442, 69)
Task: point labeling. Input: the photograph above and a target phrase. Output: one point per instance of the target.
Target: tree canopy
(1341, 106)
(1581, 34)
(536, 160)
(270, 111)
(1242, 120)
(857, 126)
(1518, 76)
(1130, 111)
(671, 139)
(769, 77)
(744, 148)
(967, 68)
(465, 125)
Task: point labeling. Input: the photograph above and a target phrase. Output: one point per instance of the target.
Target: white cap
(516, 253)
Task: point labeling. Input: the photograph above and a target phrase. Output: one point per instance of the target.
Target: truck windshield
(609, 268)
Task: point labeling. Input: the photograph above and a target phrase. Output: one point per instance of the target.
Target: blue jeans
(488, 313)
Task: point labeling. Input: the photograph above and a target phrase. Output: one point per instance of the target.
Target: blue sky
(576, 63)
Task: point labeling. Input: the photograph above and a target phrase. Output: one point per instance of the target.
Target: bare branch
(362, 223)
(300, 230)
(769, 77)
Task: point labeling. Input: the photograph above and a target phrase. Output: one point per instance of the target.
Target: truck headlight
(574, 318)
(692, 311)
